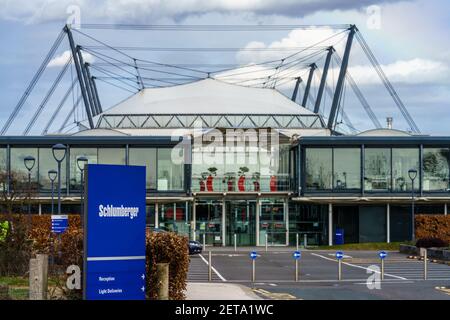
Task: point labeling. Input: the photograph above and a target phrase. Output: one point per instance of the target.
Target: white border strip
(213, 269)
(355, 266)
(115, 258)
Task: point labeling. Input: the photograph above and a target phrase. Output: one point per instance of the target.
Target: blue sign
(339, 236)
(253, 255)
(382, 254)
(339, 255)
(59, 223)
(115, 232)
(297, 255)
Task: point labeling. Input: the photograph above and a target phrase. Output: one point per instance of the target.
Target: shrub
(431, 242)
(70, 244)
(167, 247)
(433, 226)
(15, 247)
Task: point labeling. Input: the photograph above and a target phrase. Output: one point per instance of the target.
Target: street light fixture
(82, 161)
(412, 173)
(29, 162)
(59, 153)
(52, 174)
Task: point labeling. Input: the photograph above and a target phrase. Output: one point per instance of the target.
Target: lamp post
(412, 175)
(52, 174)
(29, 162)
(59, 153)
(82, 161)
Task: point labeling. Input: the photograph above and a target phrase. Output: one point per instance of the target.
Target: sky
(408, 38)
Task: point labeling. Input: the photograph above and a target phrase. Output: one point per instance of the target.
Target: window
(111, 155)
(377, 166)
(347, 168)
(318, 168)
(436, 163)
(145, 157)
(3, 159)
(17, 165)
(46, 163)
(170, 172)
(402, 161)
(75, 174)
(3, 168)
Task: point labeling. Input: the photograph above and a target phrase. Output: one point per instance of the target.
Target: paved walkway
(219, 291)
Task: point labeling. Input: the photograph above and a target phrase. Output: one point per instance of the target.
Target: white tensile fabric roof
(208, 96)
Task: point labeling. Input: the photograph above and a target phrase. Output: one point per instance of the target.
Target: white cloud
(323, 37)
(148, 10)
(413, 71)
(61, 60)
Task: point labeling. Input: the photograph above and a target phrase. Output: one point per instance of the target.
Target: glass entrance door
(209, 222)
(240, 220)
(272, 222)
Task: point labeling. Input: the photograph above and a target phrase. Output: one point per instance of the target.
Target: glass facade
(3, 169)
(272, 222)
(347, 168)
(241, 221)
(377, 169)
(170, 173)
(145, 157)
(111, 155)
(17, 162)
(404, 159)
(308, 220)
(47, 162)
(174, 217)
(208, 223)
(74, 171)
(319, 171)
(436, 164)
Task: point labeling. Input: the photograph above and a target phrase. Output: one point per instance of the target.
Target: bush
(15, 247)
(167, 247)
(433, 226)
(431, 242)
(70, 245)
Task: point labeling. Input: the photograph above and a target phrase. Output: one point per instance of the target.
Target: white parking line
(355, 266)
(213, 269)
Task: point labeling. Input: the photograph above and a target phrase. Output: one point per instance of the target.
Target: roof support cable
(59, 107)
(360, 96)
(47, 97)
(386, 82)
(33, 82)
(69, 115)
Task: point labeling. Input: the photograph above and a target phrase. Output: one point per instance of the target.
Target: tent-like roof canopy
(208, 96)
(209, 103)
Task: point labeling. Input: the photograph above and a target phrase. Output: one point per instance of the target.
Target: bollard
(162, 276)
(340, 269)
(339, 257)
(235, 242)
(305, 240)
(204, 242)
(382, 255)
(296, 241)
(425, 264)
(253, 270)
(266, 241)
(209, 267)
(38, 277)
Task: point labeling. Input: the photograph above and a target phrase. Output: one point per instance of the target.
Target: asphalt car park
(318, 274)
